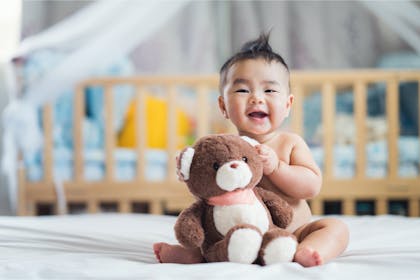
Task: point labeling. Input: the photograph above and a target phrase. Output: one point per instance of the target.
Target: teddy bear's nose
(233, 165)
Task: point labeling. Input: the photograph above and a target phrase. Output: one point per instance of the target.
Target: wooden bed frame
(170, 195)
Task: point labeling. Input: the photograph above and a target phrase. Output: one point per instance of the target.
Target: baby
(255, 96)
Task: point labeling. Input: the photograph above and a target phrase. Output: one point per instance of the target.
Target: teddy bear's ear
(250, 140)
(185, 162)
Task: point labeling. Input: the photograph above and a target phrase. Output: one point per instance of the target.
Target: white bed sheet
(119, 246)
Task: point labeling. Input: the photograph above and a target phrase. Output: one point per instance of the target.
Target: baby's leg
(167, 253)
(320, 241)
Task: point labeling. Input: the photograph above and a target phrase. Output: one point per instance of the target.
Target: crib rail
(172, 195)
(360, 188)
(123, 194)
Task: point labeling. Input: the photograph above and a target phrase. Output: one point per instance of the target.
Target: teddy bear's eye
(216, 166)
(245, 159)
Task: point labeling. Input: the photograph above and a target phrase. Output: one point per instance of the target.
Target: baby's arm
(300, 177)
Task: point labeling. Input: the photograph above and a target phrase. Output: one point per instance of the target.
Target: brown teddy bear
(232, 219)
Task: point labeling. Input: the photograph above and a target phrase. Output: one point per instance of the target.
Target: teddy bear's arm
(188, 227)
(281, 212)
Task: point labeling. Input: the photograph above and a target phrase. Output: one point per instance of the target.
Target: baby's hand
(269, 158)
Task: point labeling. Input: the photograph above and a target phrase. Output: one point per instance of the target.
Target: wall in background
(314, 35)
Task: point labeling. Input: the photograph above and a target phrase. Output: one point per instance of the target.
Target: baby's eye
(242, 90)
(270, 91)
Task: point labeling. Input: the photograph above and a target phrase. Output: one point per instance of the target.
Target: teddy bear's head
(220, 163)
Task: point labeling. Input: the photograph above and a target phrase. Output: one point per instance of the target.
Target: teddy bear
(232, 219)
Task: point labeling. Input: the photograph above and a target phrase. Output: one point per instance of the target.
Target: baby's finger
(262, 152)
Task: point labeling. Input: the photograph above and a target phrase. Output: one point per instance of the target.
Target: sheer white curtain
(93, 39)
(403, 18)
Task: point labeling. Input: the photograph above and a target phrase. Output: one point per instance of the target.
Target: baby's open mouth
(258, 114)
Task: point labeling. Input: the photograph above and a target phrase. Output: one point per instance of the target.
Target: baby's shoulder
(290, 138)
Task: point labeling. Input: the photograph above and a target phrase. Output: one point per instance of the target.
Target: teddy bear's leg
(278, 246)
(241, 244)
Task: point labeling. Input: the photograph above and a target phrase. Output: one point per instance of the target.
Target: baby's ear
(184, 163)
(250, 140)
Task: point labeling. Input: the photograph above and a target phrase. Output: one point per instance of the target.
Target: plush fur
(249, 231)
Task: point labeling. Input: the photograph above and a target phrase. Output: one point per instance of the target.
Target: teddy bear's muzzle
(233, 175)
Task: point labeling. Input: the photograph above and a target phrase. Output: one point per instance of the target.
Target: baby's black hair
(259, 48)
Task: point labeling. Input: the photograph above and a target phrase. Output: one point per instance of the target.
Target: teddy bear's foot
(244, 245)
(168, 253)
(278, 246)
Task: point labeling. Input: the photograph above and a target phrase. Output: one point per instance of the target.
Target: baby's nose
(257, 99)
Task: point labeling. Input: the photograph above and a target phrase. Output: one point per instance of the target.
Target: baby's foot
(307, 257)
(167, 253)
(157, 248)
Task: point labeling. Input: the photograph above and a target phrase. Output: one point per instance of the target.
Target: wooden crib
(169, 195)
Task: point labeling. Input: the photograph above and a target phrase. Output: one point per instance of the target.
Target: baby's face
(256, 96)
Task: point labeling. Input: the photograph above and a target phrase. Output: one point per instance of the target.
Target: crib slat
(414, 207)
(360, 118)
(418, 119)
(328, 114)
(317, 206)
(31, 208)
(171, 133)
(297, 112)
(79, 106)
(92, 206)
(141, 131)
(203, 111)
(156, 207)
(392, 101)
(124, 206)
(348, 208)
(109, 133)
(48, 143)
(22, 196)
(381, 206)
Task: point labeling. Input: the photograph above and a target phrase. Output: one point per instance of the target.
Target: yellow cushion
(156, 122)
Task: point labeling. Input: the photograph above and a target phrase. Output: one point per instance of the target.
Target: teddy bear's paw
(244, 245)
(280, 249)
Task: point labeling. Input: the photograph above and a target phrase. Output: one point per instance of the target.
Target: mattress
(119, 246)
